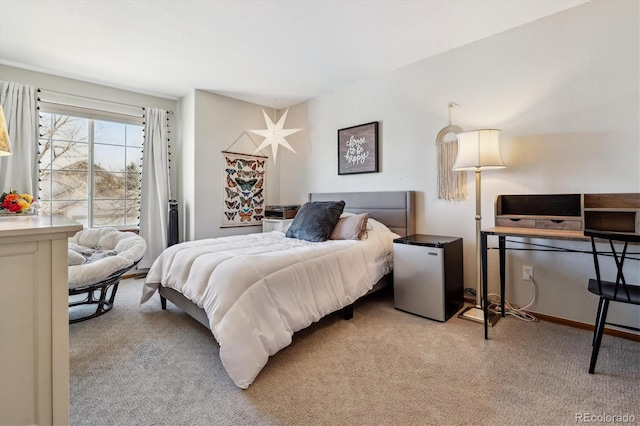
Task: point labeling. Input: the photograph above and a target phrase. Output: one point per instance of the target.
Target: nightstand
(428, 275)
(281, 225)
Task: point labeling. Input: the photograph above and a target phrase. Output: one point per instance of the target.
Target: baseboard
(135, 274)
(576, 324)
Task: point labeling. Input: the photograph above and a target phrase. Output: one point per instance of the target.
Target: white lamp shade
(479, 149)
(5, 145)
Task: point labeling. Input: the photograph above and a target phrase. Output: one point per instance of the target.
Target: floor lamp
(478, 150)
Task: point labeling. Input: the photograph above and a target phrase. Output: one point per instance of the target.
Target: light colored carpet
(139, 365)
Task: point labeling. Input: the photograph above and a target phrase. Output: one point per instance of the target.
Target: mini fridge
(428, 277)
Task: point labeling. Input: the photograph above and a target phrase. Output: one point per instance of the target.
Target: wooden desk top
(556, 234)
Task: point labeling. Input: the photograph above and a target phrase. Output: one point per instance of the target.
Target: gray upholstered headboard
(396, 209)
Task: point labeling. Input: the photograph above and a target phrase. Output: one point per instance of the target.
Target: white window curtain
(19, 170)
(155, 185)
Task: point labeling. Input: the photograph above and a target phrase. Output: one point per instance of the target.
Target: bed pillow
(350, 227)
(315, 220)
(375, 227)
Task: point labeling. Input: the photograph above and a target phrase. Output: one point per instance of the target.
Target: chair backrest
(621, 289)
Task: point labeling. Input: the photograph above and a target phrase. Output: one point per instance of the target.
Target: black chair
(617, 291)
(101, 294)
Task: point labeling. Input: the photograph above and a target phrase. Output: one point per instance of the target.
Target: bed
(254, 291)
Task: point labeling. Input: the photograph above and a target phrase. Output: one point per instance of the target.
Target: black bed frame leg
(163, 303)
(347, 312)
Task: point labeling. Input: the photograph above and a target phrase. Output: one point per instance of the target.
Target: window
(90, 169)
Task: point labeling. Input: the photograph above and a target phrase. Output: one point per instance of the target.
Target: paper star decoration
(275, 134)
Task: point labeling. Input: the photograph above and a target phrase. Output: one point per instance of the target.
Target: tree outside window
(90, 169)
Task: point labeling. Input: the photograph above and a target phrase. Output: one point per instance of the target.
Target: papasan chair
(98, 257)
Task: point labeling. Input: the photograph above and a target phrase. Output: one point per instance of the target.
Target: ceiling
(274, 53)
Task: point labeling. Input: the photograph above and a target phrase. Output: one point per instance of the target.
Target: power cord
(512, 310)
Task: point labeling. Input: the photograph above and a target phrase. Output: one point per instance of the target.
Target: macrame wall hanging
(452, 185)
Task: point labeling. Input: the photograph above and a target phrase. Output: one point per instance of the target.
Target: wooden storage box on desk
(547, 211)
(612, 212)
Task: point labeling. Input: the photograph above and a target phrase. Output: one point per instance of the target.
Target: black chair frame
(618, 291)
(104, 301)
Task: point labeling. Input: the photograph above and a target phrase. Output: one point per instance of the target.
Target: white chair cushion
(129, 247)
(76, 258)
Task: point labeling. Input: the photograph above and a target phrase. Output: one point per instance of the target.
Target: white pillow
(350, 227)
(377, 227)
(372, 226)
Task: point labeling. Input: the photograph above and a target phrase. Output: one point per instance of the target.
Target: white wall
(565, 92)
(213, 124)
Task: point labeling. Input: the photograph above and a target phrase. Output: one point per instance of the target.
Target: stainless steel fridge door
(418, 280)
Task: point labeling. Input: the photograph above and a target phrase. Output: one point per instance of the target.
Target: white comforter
(258, 289)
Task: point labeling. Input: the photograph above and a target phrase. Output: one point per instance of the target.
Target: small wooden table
(272, 224)
(502, 232)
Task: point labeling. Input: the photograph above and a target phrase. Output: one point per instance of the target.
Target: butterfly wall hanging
(243, 179)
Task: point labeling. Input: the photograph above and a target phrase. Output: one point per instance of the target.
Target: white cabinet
(281, 225)
(34, 320)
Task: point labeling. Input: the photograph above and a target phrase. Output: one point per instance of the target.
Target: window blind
(63, 103)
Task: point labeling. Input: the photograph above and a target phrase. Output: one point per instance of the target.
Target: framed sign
(358, 149)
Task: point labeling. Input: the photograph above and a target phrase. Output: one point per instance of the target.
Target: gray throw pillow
(315, 220)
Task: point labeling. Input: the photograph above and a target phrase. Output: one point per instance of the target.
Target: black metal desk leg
(484, 283)
(502, 245)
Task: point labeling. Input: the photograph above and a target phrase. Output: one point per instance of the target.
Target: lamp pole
(478, 226)
(477, 150)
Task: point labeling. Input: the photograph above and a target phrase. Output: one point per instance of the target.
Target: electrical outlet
(527, 272)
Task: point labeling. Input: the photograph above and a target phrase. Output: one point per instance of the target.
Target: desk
(502, 232)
